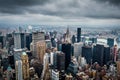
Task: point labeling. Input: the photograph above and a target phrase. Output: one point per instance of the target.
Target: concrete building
(36, 36)
(19, 40)
(78, 49)
(55, 75)
(41, 47)
(18, 68)
(25, 66)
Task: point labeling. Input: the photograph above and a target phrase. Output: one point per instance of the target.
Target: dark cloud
(65, 9)
(113, 2)
(18, 6)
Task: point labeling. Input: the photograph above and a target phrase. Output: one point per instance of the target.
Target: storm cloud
(60, 9)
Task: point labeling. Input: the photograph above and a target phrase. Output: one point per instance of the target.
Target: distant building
(18, 68)
(110, 42)
(19, 40)
(66, 48)
(36, 36)
(28, 40)
(73, 39)
(25, 66)
(78, 34)
(78, 49)
(41, 47)
(48, 44)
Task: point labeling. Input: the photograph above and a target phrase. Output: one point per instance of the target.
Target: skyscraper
(19, 40)
(60, 61)
(98, 54)
(78, 34)
(106, 54)
(87, 53)
(66, 48)
(41, 47)
(110, 42)
(25, 66)
(36, 36)
(28, 40)
(78, 49)
(18, 68)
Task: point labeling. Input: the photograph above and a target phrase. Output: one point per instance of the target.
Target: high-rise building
(18, 53)
(118, 67)
(25, 66)
(41, 47)
(106, 54)
(66, 48)
(87, 53)
(78, 34)
(110, 42)
(36, 36)
(78, 49)
(2, 40)
(48, 43)
(28, 40)
(114, 51)
(18, 68)
(19, 40)
(55, 75)
(73, 39)
(60, 61)
(98, 54)
(73, 66)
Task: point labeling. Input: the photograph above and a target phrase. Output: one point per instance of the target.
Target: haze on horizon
(60, 11)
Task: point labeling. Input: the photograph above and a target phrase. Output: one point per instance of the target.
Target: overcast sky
(60, 11)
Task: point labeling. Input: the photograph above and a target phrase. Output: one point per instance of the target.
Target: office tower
(114, 51)
(19, 40)
(18, 53)
(55, 75)
(110, 42)
(60, 61)
(78, 34)
(59, 46)
(67, 36)
(73, 39)
(2, 40)
(28, 40)
(78, 49)
(106, 54)
(25, 66)
(11, 61)
(87, 53)
(18, 68)
(118, 67)
(73, 66)
(66, 48)
(48, 44)
(98, 54)
(41, 47)
(36, 36)
(54, 44)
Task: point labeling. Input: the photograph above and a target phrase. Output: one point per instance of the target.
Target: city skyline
(91, 12)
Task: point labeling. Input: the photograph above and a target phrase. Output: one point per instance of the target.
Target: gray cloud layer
(61, 9)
